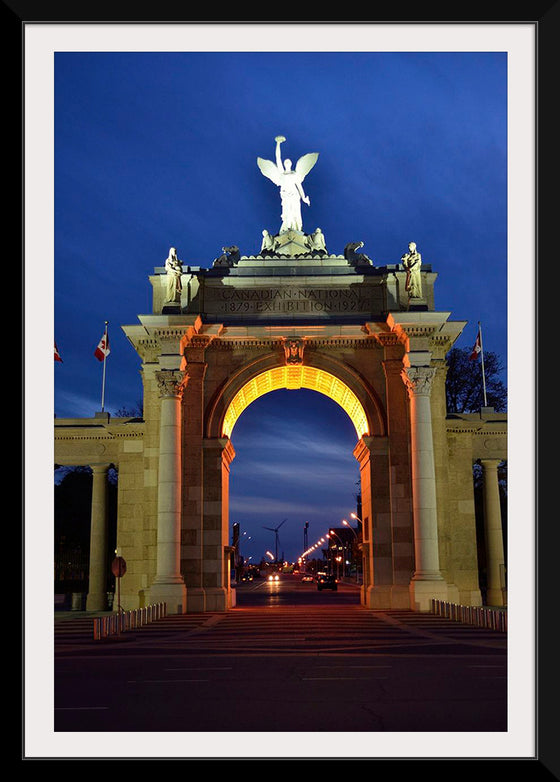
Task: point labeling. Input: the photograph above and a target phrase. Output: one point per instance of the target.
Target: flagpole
(104, 363)
(482, 364)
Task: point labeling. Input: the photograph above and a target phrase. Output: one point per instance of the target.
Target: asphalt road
(288, 658)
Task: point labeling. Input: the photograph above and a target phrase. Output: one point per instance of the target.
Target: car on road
(274, 577)
(307, 578)
(327, 582)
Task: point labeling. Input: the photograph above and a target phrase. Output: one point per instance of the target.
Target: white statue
(268, 243)
(174, 269)
(412, 261)
(290, 183)
(316, 241)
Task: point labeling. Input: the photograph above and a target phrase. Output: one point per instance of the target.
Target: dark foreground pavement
(286, 660)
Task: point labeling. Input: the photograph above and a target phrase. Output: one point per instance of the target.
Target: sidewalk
(64, 616)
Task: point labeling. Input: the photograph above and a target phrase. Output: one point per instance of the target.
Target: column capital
(100, 467)
(490, 463)
(171, 382)
(418, 380)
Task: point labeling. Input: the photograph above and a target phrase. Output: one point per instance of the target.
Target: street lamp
(349, 527)
(342, 546)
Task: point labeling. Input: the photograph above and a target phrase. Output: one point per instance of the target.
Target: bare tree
(464, 388)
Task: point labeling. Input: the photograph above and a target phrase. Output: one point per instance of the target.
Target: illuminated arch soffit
(296, 377)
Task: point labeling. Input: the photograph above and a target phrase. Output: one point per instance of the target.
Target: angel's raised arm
(279, 140)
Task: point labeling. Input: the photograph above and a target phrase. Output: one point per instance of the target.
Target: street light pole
(350, 528)
(330, 532)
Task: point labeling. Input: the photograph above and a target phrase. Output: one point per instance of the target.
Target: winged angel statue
(290, 183)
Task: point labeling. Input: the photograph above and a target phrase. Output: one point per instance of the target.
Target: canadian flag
(102, 350)
(56, 354)
(476, 348)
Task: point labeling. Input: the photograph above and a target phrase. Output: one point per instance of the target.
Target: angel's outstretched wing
(306, 163)
(270, 170)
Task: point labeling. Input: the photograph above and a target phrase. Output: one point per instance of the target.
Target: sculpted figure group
(290, 182)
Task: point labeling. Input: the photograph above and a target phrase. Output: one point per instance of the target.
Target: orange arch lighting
(295, 377)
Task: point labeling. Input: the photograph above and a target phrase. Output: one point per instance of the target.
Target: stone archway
(250, 377)
(338, 325)
(295, 377)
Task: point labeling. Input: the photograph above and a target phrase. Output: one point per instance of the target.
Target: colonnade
(427, 581)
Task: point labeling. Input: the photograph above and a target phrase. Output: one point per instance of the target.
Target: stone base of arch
(210, 599)
(173, 595)
(423, 592)
(386, 597)
(96, 601)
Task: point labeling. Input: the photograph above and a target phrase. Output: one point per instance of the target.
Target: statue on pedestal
(412, 261)
(290, 183)
(174, 270)
(316, 242)
(268, 244)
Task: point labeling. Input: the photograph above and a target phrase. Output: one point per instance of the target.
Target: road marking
(355, 667)
(485, 666)
(340, 678)
(493, 678)
(198, 669)
(163, 681)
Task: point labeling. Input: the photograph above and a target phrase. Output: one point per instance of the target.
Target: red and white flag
(102, 350)
(476, 348)
(56, 354)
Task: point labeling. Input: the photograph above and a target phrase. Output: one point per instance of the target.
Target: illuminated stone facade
(338, 325)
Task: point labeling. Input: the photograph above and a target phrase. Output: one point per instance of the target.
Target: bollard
(479, 616)
(127, 620)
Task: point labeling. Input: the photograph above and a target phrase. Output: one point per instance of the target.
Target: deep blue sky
(159, 149)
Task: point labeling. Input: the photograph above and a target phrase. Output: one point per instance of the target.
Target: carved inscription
(304, 300)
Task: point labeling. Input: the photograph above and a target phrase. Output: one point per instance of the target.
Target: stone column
(218, 454)
(99, 534)
(193, 501)
(427, 581)
(402, 526)
(372, 456)
(493, 532)
(168, 586)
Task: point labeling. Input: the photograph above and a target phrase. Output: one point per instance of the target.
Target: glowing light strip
(295, 377)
